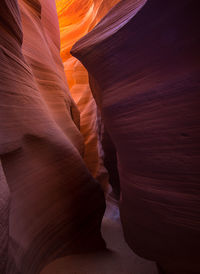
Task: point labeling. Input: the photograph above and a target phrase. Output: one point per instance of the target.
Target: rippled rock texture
(77, 18)
(144, 69)
(50, 205)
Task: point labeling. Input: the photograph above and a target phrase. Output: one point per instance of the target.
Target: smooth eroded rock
(55, 205)
(144, 74)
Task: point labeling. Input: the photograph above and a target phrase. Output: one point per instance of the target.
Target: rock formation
(77, 18)
(143, 64)
(50, 205)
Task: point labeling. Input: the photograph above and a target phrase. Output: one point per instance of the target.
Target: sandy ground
(119, 260)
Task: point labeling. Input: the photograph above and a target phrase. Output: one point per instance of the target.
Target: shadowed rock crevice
(147, 88)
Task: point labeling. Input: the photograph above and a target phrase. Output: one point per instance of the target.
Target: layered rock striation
(143, 64)
(77, 18)
(50, 205)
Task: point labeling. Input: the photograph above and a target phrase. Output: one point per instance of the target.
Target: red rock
(55, 204)
(144, 74)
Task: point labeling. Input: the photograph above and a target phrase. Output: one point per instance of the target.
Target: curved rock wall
(144, 74)
(48, 199)
(77, 18)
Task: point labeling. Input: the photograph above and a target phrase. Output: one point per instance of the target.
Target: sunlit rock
(76, 18)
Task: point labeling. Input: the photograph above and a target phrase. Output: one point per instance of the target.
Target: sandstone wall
(144, 73)
(50, 205)
(77, 18)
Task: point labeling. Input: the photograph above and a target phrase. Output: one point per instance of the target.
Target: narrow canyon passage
(118, 259)
(99, 137)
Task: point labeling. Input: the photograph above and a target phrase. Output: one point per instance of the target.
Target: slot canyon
(99, 137)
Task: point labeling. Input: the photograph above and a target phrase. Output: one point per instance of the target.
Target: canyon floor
(120, 259)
